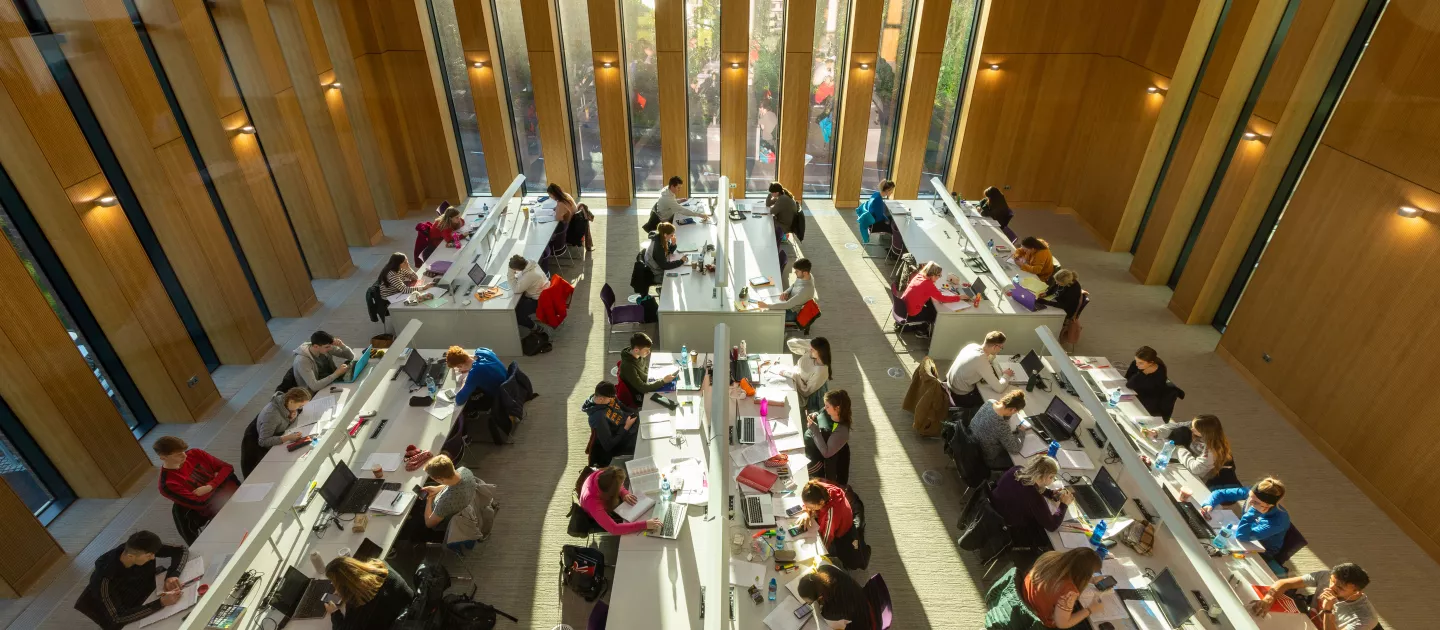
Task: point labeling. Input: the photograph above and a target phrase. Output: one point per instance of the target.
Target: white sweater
(529, 282)
(807, 374)
(973, 368)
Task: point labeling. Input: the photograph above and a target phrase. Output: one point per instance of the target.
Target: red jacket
(837, 517)
(427, 236)
(920, 291)
(554, 302)
(200, 469)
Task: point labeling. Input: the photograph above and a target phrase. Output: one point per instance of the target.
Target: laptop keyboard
(752, 509)
(1194, 521)
(667, 528)
(747, 430)
(311, 606)
(359, 500)
(1090, 502)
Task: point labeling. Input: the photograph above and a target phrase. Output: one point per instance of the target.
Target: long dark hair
(555, 192)
(838, 593)
(841, 400)
(611, 479)
(777, 187)
(822, 347)
(396, 259)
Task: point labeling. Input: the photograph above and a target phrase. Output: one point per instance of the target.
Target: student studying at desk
(994, 207)
(783, 209)
(444, 229)
(614, 428)
(635, 371)
(1033, 255)
(527, 281)
(812, 370)
(1263, 520)
(371, 594)
(1206, 452)
(838, 600)
(1340, 602)
(397, 277)
(669, 206)
(991, 428)
(1147, 377)
(124, 578)
(197, 482)
(973, 376)
(482, 372)
(602, 492)
(1053, 585)
(802, 290)
(320, 361)
(920, 291)
(271, 427)
(1021, 498)
(827, 439)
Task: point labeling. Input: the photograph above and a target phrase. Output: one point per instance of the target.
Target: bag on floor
(535, 343)
(582, 569)
(426, 610)
(651, 306)
(462, 612)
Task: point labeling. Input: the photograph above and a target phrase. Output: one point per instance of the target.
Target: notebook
(632, 513)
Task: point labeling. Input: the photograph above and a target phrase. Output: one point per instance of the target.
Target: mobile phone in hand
(802, 612)
(330, 598)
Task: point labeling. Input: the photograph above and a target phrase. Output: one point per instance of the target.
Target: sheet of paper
(783, 616)
(397, 298)
(441, 410)
(753, 454)
(954, 307)
(1032, 444)
(686, 419)
(632, 513)
(188, 596)
(1111, 609)
(790, 443)
(1124, 570)
(251, 492)
(389, 462)
(694, 482)
(1074, 540)
(1074, 460)
(656, 430)
(797, 464)
(744, 574)
(779, 428)
(318, 415)
(644, 476)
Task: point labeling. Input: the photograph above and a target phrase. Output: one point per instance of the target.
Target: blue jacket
(487, 374)
(1266, 528)
(875, 205)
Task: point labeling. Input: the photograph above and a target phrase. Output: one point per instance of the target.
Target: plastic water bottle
(1054, 448)
(1163, 459)
(430, 385)
(684, 356)
(1015, 279)
(779, 539)
(772, 589)
(1114, 398)
(1223, 537)
(991, 244)
(665, 489)
(1097, 535)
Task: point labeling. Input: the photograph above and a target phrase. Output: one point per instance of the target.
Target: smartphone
(1105, 584)
(802, 612)
(330, 598)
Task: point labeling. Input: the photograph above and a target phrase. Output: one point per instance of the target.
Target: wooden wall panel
(46, 113)
(1227, 47)
(208, 58)
(795, 112)
(859, 86)
(1299, 46)
(314, 36)
(1156, 35)
(477, 36)
(409, 74)
(547, 78)
(932, 17)
(390, 133)
(1180, 163)
(1041, 27)
(734, 90)
(612, 100)
(31, 548)
(673, 79)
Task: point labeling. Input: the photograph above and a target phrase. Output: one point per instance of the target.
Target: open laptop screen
(1032, 363)
(1063, 414)
(337, 484)
(1109, 490)
(1171, 599)
(415, 367)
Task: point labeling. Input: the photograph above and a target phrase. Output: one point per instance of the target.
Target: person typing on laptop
(320, 361)
(802, 290)
(1020, 497)
(1341, 603)
(1263, 520)
(371, 594)
(124, 578)
(602, 493)
(973, 376)
(670, 206)
(1053, 585)
(921, 294)
(614, 428)
(991, 428)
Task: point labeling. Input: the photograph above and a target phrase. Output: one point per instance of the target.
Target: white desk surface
(1165, 552)
(293, 542)
(933, 237)
(752, 253)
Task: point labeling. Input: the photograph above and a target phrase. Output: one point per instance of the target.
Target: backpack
(462, 612)
(654, 220)
(537, 342)
(583, 570)
(424, 611)
(651, 308)
(287, 382)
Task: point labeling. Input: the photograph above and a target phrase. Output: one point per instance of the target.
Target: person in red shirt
(199, 483)
(828, 508)
(920, 291)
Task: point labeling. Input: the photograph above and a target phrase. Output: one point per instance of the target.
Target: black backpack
(583, 570)
(537, 342)
(462, 612)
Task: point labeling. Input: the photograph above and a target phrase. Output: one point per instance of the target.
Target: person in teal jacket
(872, 216)
(483, 371)
(1263, 521)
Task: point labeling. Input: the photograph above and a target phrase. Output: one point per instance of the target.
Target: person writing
(973, 376)
(1147, 377)
(444, 229)
(827, 439)
(991, 428)
(602, 493)
(458, 489)
(783, 209)
(1207, 451)
(371, 594)
(994, 207)
(839, 601)
(124, 578)
(527, 281)
(1020, 496)
(480, 372)
(919, 293)
(564, 204)
(635, 369)
(397, 277)
(1033, 256)
(197, 482)
(827, 508)
(320, 361)
(1341, 603)
(1263, 520)
(811, 371)
(272, 427)
(669, 206)
(802, 290)
(1053, 585)
(1064, 293)
(613, 426)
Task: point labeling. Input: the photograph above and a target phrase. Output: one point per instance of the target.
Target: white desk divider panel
(483, 238)
(722, 244)
(1234, 612)
(281, 532)
(997, 271)
(718, 593)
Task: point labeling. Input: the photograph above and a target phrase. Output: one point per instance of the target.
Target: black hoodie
(117, 593)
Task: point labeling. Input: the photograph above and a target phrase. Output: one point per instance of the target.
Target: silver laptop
(758, 510)
(672, 519)
(746, 429)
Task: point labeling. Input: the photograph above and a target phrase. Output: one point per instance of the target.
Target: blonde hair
(1037, 469)
(297, 394)
(1073, 567)
(440, 467)
(1013, 399)
(456, 357)
(356, 582)
(931, 270)
(1271, 485)
(1066, 277)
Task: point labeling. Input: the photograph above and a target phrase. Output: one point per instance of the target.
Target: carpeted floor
(912, 525)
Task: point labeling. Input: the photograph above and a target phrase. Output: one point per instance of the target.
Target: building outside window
(525, 122)
(642, 72)
(826, 85)
(889, 85)
(702, 66)
(455, 70)
(580, 79)
(767, 52)
(959, 34)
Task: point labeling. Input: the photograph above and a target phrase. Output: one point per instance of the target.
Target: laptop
(1023, 296)
(367, 550)
(1165, 593)
(1193, 520)
(356, 367)
(478, 276)
(1059, 422)
(1032, 364)
(1101, 498)
(417, 368)
(747, 428)
(347, 494)
(299, 596)
(758, 510)
(672, 519)
(976, 288)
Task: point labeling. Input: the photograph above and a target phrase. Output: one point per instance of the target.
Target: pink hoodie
(593, 502)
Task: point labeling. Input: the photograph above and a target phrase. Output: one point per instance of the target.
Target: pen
(396, 499)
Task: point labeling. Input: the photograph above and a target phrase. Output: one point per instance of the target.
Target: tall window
(702, 65)
(831, 20)
(584, 113)
(455, 72)
(643, 72)
(29, 472)
(767, 51)
(889, 83)
(510, 29)
(958, 36)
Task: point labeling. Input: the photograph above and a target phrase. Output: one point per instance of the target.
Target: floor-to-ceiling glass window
(525, 122)
(643, 78)
(889, 84)
(455, 71)
(767, 51)
(702, 66)
(831, 20)
(953, 62)
(584, 113)
(29, 472)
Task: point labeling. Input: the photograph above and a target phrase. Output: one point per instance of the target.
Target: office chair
(809, 312)
(882, 612)
(1294, 541)
(897, 242)
(621, 314)
(900, 315)
(903, 270)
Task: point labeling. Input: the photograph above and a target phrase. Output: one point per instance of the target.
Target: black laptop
(346, 494)
(1193, 520)
(367, 550)
(1165, 592)
(1101, 498)
(1059, 422)
(417, 368)
(299, 596)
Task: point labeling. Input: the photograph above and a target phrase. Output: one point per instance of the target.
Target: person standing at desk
(1053, 585)
(802, 290)
(669, 206)
(1341, 604)
(635, 370)
(1207, 451)
(613, 427)
(920, 292)
(526, 281)
(372, 593)
(812, 372)
(1033, 256)
(1148, 378)
(1020, 497)
(197, 482)
(397, 276)
(991, 428)
(973, 377)
(994, 207)
(272, 427)
(320, 361)
(602, 492)
(839, 601)
(827, 439)
(480, 372)
(1263, 520)
(783, 208)
(124, 578)
(445, 228)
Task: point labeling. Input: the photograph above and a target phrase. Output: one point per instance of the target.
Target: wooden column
(382, 101)
(31, 547)
(259, 68)
(795, 112)
(734, 91)
(1202, 29)
(439, 96)
(674, 90)
(932, 18)
(477, 36)
(110, 62)
(972, 77)
(206, 93)
(353, 203)
(60, 182)
(547, 78)
(612, 101)
(863, 48)
(1222, 243)
(1217, 137)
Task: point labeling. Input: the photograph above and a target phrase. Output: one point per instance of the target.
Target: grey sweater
(273, 422)
(317, 373)
(994, 435)
(783, 208)
(801, 291)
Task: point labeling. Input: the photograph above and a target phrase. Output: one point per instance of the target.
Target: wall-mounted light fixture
(107, 201)
(734, 65)
(478, 64)
(994, 66)
(607, 64)
(1155, 89)
(248, 130)
(334, 86)
(1250, 135)
(1409, 212)
(864, 65)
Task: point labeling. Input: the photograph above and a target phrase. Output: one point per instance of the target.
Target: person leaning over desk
(124, 578)
(371, 594)
(921, 290)
(271, 427)
(397, 276)
(444, 228)
(991, 429)
(827, 508)
(526, 281)
(198, 483)
(669, 207)
(827, 439)
(811, 372)
(1064, 293)
(602, 492)
(1207, 451)
(480, 372)
(458, 489)
(783, 208)
(635, 369)
(1341, 604)
(973, 377)
(1033, 256)
(1263, 520)
(994, 206)
(1148, 378)
(320, 361)
(613, 427)
(802, 290)
(839, 600)
(1053, 585)
(1020, 497)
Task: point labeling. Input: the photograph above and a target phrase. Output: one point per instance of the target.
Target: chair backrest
(878, 596)
(897, 242)
(1294, 541)
(898, 309)
(1084, 302)
(809, 312)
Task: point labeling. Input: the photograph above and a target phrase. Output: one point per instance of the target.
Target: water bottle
(664, 489)
(430, 385)
(1015, 279)
(684, 356)
(991, 244)
(1223, 537)
(743, 353)
(1097, 535)
(1114, 398)
(779, 539)
(772, 589)
(1163, 459)
(1054, 448)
